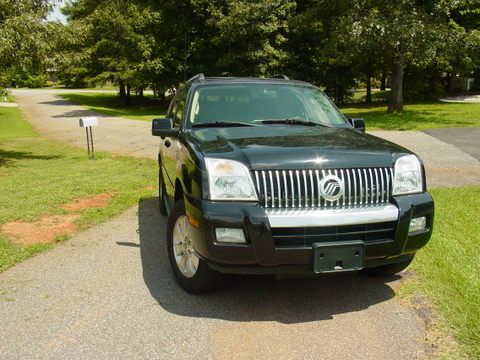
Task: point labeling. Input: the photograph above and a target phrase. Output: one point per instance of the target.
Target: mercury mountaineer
(267, 176)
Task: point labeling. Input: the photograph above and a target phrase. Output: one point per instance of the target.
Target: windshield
(255, 103)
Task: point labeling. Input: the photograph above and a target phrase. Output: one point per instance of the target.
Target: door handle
(167, 143)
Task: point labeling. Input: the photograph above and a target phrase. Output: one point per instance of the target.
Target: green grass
(111, 104)
(12, 124)
(416, 116)
(448, 268)
(38, 176)
(9, 98)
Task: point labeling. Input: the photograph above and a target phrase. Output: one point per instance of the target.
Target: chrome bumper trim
(332, 217)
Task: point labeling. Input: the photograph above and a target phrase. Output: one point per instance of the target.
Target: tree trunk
(340, 93)
(383, 82)
(140, 91)
(368, 98)
(396, 99)
(129, 93)
(451, 84)
(122, 90)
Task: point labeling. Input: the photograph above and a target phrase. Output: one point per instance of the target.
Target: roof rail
(199, 77)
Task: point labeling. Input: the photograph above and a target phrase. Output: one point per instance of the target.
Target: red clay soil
(47, 228)
(97, 201)
(41, 231)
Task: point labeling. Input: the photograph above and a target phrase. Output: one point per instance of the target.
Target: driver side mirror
(357, 123)
(164, 128)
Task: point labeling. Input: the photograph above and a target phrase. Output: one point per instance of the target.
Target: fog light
(418, 224)
(230, 235)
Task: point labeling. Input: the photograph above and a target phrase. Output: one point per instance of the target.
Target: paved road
(467, 139)
(109, 294)
(463, 98)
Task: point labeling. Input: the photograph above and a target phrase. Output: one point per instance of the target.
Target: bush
(49, 83)
(32, 81)
(423, 84)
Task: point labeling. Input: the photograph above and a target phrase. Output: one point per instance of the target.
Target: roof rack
(199, 77)
(281, 76)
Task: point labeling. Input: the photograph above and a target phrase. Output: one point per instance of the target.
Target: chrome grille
(302, 189)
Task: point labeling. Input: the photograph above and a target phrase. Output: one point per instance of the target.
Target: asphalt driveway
(467, 139)
(109, 294)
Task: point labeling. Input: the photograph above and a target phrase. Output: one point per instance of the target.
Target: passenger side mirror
(357, 123)
(164, 128)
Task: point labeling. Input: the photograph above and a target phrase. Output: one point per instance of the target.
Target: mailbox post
(88, 123)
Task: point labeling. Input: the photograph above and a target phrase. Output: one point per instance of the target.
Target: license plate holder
(344, 256)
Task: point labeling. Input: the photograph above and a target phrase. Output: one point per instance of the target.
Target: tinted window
(179, 107)
(255, 102)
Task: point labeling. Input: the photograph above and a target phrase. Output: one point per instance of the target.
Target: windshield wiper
(292, 122)
(221, 124)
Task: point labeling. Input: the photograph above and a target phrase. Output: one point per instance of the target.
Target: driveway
(109, 294)
(463, 98)
(54, 117)
(467, 139)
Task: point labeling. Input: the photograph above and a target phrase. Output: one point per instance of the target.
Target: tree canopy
(25, 45)
(137, 44)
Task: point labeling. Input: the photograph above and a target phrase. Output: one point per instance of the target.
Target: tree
(250, 36)
(400, 33)
(24, 37)
(115, 43)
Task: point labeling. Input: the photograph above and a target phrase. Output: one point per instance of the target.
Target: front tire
(390, 269)
(191, 272)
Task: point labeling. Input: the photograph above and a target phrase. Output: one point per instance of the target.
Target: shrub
(423, 84)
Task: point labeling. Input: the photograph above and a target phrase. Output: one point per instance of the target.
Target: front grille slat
(301, 188)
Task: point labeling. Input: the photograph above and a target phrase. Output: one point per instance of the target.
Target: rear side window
(179, 107)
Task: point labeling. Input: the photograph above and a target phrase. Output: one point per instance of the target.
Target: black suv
(266, 176)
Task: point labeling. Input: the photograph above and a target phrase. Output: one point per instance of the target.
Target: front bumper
(262, 255)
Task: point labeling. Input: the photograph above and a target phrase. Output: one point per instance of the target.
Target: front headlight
(408, 176)
(229, 180)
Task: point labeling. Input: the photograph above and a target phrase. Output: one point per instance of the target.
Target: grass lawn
(447, 269)
(38, 176)
(110, 104)
(417, 116)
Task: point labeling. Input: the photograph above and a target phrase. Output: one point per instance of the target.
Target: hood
(295, 147)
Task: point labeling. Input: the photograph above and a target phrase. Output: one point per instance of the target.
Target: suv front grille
(307, 236)
(303, 188)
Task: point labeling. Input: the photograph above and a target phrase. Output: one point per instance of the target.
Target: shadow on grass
(251, 298)
(7, 158)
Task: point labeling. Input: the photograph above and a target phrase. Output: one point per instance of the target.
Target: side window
(179, 108)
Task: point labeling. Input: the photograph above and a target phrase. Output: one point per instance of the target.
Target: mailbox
(88, 121)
